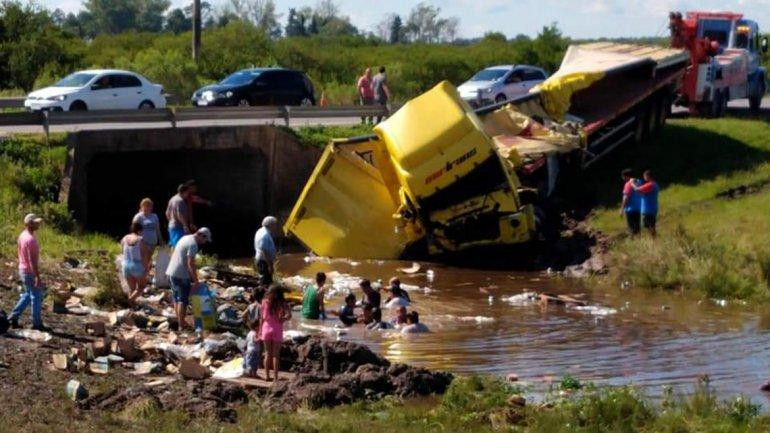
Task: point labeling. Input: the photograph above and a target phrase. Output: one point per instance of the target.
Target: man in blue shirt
(632, 203)
(264, 249)
(649, 206)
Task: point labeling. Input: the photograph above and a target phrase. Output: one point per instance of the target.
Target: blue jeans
(31, 294)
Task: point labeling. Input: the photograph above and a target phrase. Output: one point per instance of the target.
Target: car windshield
(78, 79)
(240, 78)
(489, 75)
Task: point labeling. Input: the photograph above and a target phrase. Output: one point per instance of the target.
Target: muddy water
(652, 339)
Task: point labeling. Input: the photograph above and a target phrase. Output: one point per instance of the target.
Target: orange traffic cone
(324, 102)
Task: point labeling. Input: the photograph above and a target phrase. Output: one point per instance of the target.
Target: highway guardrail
(173, 116)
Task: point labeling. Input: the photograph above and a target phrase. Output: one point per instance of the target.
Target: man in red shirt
(365, 91)
(29, 272)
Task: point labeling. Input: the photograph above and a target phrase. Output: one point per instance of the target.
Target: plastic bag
(204, 310)
(160, 279)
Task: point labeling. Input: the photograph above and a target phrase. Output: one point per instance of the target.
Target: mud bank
(327, 373)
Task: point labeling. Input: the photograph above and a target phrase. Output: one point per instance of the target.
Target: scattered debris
(76, 391)
(30, 334)
(60, 361)
(415, 268)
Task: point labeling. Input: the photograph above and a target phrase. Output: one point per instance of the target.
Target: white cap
(30, 218)
(269, 220)
(205, 233)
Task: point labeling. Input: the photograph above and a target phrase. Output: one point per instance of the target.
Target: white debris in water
(478, 319)
(720, 302)
(491, 299)
(520, 299)
(430, 275)
(595, 310)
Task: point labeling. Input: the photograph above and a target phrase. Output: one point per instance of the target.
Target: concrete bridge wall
(247, 171)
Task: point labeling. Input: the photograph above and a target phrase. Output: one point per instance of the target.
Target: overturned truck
(438, 178)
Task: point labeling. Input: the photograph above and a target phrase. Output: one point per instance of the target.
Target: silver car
(500, 83)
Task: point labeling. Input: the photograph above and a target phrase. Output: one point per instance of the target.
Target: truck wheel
(641, 127)
(500, 98)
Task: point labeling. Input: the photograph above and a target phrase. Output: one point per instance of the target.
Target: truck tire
(755, 101)
(664, 109)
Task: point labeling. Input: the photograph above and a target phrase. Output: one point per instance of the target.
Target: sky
(576, 18)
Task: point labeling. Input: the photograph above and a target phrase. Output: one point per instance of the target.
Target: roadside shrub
(58, 216)
(685, 261)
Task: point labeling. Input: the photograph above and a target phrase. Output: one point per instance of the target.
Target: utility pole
(196, 42)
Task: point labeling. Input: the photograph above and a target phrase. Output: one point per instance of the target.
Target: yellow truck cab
(431, 181)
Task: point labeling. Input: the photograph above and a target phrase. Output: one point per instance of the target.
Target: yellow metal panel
(434, 139)
(346, 210)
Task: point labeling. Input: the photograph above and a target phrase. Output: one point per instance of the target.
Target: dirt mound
(330, 373)
(367, 382)
(197, 399)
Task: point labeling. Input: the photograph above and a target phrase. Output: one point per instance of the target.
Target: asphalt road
(735, 107)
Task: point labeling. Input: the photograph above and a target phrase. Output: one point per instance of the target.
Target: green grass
(471, 405)
(709, 243)
(319, 136)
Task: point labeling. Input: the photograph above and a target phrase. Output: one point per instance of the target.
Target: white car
(500, 83)
(98, 89)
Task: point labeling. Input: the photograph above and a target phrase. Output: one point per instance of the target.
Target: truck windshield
(716, 30)
(78, 79)
(489, 75)
(240, 78)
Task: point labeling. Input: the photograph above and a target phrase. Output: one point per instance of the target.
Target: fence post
(287, 115)
(46, 124)
(172, 112)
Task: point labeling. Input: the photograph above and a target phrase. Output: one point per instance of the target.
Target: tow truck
(725, 53)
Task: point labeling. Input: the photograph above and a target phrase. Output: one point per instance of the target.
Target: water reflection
(654, 339)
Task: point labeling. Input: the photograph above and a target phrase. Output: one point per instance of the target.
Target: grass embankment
(471, 405)
(714, 231)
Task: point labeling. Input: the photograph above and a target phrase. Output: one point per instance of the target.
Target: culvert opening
(235, 180)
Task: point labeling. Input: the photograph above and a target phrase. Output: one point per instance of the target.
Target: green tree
(116, 16)
(29, 42)
(178, 22)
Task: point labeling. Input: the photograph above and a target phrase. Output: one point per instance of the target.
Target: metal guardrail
(46, 119)
(11, 102)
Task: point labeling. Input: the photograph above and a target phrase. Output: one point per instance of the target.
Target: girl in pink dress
(275, 311)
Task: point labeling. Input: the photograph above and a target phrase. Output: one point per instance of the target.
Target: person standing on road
(631, 206)
(178, 215)
(265, 251)
(381, 90)
(649, 195)
(29, 272)
(366, 92)
(183, 273)
(136, 255)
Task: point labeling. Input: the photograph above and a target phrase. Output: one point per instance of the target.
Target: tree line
(38, 46)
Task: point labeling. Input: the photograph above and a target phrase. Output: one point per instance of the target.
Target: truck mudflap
(346, 209)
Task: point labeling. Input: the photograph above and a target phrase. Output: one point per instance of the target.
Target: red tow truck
(725, 52)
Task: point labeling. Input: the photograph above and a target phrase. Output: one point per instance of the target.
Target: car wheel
(146, 105)
(244, 103)
(500, 98)
(306, 102)
(78, 106)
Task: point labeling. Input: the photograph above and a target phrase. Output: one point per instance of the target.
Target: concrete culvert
(247, 172)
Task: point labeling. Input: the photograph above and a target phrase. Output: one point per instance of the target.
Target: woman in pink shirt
(275, 311)
(365, 91)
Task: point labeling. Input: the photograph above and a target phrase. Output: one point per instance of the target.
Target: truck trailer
(438, 178)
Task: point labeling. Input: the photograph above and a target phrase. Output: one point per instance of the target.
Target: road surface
(734, 107)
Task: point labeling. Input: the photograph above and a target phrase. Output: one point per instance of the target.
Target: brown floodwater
(652, 339)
